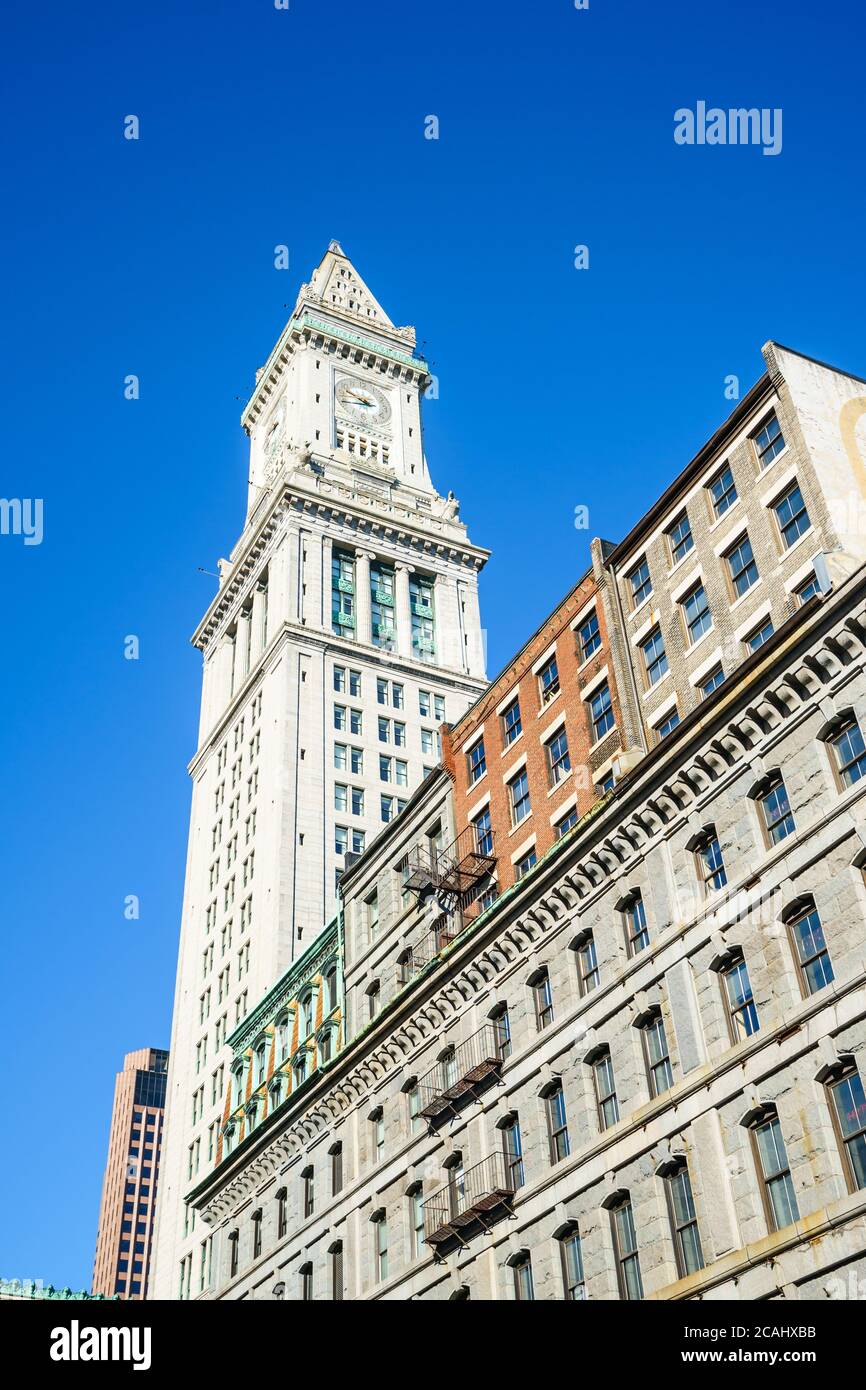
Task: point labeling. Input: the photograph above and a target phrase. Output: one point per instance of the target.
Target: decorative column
(363, 599)
(223, 683)
(242, 646)
(402, 615)
(327, 554)
(259, 638)
(450, 651)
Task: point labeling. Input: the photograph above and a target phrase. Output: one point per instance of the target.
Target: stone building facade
(637, 1073)
(345, 630)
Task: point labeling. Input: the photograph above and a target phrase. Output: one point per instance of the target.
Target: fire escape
(473, 1199)
(462, 1073)
(445, 881)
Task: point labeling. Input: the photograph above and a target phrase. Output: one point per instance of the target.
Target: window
(336, 1253)
(667, 725)
(309, 1182)
(625, 1249)
(424, 706)
(357, 760)
(381, 1225)
(512, 1147)
(381, 691)
(401, 772)
(357, 801)
(421, 609)
(573, 1280)
(340, 756)
(476, 762)
(373, 1000)
(775, 1174)
(257, 1234)
(607, 1105)
(654, 657)
(397, 695)
(233, 1253)
(340, 679)
(791, 515)
(769, 441)
(282, 1214)
(483, 832)
(341, 797)
(776, 814)
(723, 492)
(807, 589)
(601, 712)
(502, 1024)
(587, 963)
(742, 570)
(339, 716)
(341, 839)
(518, 794)
(336, 1153)
(343, 593)
(711, 866)
(641, 584)
(371, 906)
(680, 539)
(399, 734)
(588, 637)
(543, 999)
(849, 1108)
(711, 682)
(377, 1134)
(849, 751)
(656, 1056)
(696, 612)
(637, 933)
(383, 627)
(684, 1222)
(386, 808)
(306, 1273)
(384, 768)
(416, 1219)
(557, 1123)
(759, 636)
(742, 1013)
(439, 708)
(511, 725)
(558, 760)
(524, 1290)
(548, 681)
(813, 958)
(562, 827)
(522, 867)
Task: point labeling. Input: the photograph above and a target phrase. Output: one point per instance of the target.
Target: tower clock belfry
(344, 631)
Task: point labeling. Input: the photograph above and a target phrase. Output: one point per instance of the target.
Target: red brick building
(543, 743)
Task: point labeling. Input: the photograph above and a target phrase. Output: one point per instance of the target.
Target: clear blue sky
(558, 388)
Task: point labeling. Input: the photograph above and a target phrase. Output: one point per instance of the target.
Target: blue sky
(558, 388)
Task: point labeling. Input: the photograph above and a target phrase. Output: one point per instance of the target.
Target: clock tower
(344, 631)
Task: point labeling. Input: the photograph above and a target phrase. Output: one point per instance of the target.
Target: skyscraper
(345, 630)
(126, 1213)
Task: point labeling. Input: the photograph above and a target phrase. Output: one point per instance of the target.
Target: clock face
(364, 404)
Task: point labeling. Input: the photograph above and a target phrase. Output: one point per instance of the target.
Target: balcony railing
(433, 942)
(454, 869)
(472, 1199)
(462, 1074)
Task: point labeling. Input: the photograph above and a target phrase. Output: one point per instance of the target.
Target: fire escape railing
(454, 870)
(462, 1073)
(473, 1198)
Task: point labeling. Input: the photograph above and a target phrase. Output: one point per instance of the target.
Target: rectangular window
(667, 725)
(341, 797)
(723, 492)
(742, 569)
(813, 958)
(476, 762)
(512, 727)
(641, 584)
(421, 609)
(524, 1290)
(769, 441)
(357, 761)
(542, 996)
(427, 744)
(343, 593)
(762, 634)
(742, 1013)
(381, 691)
(336, 1169)
(573, 1279)
(587, 965)
(711, 682)
(339, 716)
(696, 611)
(808, 589)
(381, 1249)
(518, 793)
(548, 681)
(512, 1145)
(568, 822)
(775, 1173)
(654, 657)
(336, 1253)
(557, 1124)
(637, 933)
(791, 515)
(607, 1104)
(382, 601)
(601, 713)
(849, 1105)
(384, 768)
(680, 539)
(416, 1220)
(658, 1063)
(588, 637)
(341, 839)
(558, 760)
(483, 832)
(522, 867)
(684, 1222)
(776, 812)
(309, 1192)
(386, 809)
(849, 751)
(711, 865)
(625, 1245)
